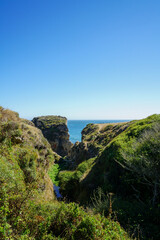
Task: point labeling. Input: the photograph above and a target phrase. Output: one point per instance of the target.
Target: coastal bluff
(55, 130)
(95, 138)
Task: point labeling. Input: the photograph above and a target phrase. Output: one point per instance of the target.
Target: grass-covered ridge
(102, 134)
(110, 163)
(95, 137)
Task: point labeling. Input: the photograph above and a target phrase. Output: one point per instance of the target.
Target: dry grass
(102, 126)
(8, 115)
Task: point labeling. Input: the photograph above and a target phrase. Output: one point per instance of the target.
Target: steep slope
(120, 165)
(28, 210)
(127, 166)
(95, 138)
(25, 154)
(108, 167)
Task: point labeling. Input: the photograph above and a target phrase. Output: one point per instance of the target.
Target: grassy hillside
(24, 153)
(95, 138)
(127, 165)
(110, 166)
(102, 134)
(122, 158)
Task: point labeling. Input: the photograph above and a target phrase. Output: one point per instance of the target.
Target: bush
(72, 222)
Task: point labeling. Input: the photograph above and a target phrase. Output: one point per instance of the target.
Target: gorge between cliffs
(109, 180)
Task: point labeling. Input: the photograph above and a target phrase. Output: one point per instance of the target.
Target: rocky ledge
(55, 129)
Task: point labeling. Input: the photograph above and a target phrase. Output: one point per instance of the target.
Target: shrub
(72, 222)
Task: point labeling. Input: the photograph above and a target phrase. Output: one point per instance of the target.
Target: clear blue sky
(83, 59)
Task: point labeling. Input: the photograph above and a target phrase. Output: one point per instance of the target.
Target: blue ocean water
(76, 126)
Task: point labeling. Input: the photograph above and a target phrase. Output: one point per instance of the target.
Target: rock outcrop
(95, 138)
(55, 129)
(78, 153)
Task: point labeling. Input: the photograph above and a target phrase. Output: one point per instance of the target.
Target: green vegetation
(28, 208)
(144, 159)
(69, 180)
(40, 221)
(48, 121)
(101, 134)
(128, 165)
(140, 220)
(89, 132)
(120, 184)
(53, 173)
(72, 222)
(110, 169)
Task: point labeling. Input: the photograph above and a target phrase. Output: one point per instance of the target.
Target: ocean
(76, 126)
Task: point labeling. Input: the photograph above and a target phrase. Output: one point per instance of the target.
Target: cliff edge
(55, 129)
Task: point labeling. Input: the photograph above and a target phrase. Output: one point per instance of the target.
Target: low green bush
(72, 222)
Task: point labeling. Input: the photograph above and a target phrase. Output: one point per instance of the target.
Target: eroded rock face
(95, 138)
(55, 129)
(78, 153)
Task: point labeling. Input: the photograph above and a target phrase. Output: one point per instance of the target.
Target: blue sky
(83, 59)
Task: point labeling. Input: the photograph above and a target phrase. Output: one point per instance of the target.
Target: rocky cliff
(28, 209)
(125, 168)
(54, 128)
(113, 156)
(95, 138)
